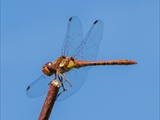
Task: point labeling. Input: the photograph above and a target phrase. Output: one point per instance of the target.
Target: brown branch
(50, 99)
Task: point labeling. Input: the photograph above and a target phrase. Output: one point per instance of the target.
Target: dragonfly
(78, 55)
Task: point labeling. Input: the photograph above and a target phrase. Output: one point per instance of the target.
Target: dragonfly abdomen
(107, 62)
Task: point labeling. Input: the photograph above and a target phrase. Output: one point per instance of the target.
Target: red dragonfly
(78, 55)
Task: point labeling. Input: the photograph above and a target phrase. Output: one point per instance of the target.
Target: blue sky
(32, 33)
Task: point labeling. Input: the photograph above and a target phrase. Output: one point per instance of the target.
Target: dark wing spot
(70, 18)
(28, 87)
(95, 21)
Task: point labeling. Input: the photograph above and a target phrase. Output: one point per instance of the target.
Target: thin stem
(50, 99)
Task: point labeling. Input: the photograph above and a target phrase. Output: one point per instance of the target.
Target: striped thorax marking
(67, 63)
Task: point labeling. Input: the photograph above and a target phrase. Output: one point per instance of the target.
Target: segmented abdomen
(79, 63)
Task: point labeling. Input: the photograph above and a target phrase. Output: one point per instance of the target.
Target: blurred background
(32, 33)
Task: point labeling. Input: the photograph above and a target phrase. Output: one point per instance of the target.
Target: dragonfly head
(49, 69)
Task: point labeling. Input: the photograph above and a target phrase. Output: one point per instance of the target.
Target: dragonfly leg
(62, 80)
(65, 79)
(51, 81)
(62, 83)
(64, 90)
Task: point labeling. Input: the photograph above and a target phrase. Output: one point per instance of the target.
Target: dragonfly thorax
(49, 69)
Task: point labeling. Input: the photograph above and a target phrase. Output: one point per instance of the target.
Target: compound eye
(49, 64)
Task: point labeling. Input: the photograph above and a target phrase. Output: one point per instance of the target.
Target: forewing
(39, 86)
(89, 48)
(77, 78)
(74, 37)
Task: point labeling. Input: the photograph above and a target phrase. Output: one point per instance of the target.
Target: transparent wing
(73, 46)
(84, 50)
(39, 86)
(77, 78)
(74, 37)
(89, 47)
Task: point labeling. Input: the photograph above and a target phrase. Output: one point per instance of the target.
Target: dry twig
(50, 99)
